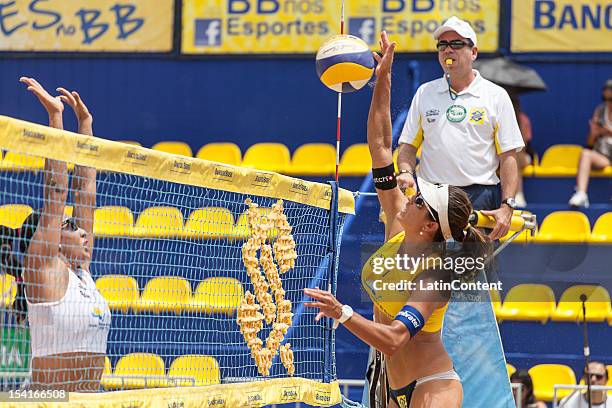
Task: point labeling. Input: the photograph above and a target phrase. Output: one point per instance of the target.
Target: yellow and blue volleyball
(345, 63)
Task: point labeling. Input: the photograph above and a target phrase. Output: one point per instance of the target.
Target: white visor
(436, 196)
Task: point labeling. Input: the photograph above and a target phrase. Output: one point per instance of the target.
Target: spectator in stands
(599, 399)
(527, 398)
(526, 156)
(69, 319)
(598, 153)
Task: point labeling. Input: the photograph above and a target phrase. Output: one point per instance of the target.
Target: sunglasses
(70, 224)
(454, 44)
(603, 98)
(598, 377)
(419, 201)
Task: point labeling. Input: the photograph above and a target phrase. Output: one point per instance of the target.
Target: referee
(466, 128)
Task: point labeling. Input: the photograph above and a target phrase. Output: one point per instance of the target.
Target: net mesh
(168, 260)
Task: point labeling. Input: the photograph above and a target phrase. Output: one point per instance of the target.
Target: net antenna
(339, 107)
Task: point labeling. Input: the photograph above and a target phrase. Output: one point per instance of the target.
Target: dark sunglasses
(598, 377)
(454, 44)
(603, 98)
(419, 201)
(70, 224)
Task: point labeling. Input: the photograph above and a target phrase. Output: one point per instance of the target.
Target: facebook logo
(208, 32)
(363, 28)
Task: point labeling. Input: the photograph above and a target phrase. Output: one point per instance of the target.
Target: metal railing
(575, 388)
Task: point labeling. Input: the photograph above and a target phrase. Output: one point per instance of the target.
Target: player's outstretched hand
(327, 303)
(385, 60)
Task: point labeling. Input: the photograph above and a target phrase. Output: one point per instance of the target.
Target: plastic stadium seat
(495, 301)
(609, 369)
(8, 286)
(209, 222)
(545, 376)
(511, 369)
(113, 221)
(602, 231)
(570, 307)
(605, 172)
(268, 156)
(203, 369)
(159, 222)
(356, 160)
(559, 160)
(528, 302)
(217, 295)
(13, 215)
(180, 148)
(165, 294)
(531, 302)
(120, 291)
(138, 370)
(130, 142)
(314, 159)
(15, 161)
(564, 226)
(228, 153)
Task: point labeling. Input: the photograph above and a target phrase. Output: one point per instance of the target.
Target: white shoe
(519, 199)
(579, 199)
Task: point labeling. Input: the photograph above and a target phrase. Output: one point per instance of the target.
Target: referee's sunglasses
(454, 44)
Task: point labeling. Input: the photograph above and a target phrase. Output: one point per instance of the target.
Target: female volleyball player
(69, 319)
(408, 323)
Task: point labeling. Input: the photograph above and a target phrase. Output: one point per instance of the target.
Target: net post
(333, 253)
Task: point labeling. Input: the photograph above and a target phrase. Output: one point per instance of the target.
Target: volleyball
(345, 63)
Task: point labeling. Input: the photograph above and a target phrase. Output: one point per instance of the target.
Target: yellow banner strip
(249, 394)
(37, 140)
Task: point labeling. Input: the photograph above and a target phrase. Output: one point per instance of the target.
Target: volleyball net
(203, 266)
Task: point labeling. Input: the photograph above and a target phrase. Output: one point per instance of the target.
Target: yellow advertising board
(81, 26)
(301, 26)
(561, 26)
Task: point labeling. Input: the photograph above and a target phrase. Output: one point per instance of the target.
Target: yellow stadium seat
(204, 370)
(8, 286)
(209, 222)
(314, 159)
(356, 160)
(228, 153)
(609, 369)
(395, 154)
(159, 222)
(605, 172)
(495, 301)
(268, 156)
(559, 161)
(570, 307)
(165, 294)
(113, 221)
(242, 229)
(602, 231)
(137, 370)
(564, 226)
(545, 376)
(120, 291)
(15, 161)
(511, 369)
(13, 215)
(217, 295)
(528, 302)
(172, 147)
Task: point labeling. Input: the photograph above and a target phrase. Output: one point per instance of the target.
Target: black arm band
(384, 177)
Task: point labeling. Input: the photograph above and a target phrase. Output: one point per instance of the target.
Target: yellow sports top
(389, 299)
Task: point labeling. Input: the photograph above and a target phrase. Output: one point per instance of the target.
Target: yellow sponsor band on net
(37, 140)
(247, 394)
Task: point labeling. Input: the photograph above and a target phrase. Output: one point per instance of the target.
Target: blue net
(168, 259)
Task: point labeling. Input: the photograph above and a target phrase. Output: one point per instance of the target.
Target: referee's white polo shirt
(460, 140)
